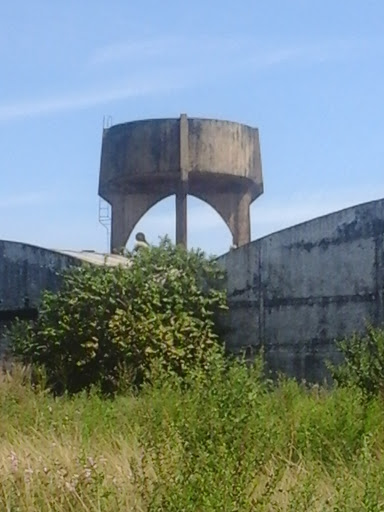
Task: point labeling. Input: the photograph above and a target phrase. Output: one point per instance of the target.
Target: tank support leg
(181, 216)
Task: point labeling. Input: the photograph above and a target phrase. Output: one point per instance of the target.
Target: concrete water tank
(142, 162)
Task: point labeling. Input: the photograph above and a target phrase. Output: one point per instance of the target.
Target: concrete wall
(297, 290)
(25, 271)
(139, 148)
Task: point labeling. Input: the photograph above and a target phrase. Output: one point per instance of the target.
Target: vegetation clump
(363, 362)
(227, 441)
(109, 321)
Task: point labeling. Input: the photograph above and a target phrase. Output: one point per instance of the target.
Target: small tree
(109, 320)
(363, 363)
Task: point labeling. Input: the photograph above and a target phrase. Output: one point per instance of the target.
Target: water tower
(143, 162)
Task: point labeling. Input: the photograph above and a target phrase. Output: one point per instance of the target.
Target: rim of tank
(163, 119)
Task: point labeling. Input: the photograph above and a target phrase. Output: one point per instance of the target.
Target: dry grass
(178, 450)
(46, 473)
(42, 474)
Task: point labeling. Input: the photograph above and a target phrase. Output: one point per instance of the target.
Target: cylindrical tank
(144, 161)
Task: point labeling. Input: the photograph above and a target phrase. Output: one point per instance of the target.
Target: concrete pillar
(181, 216)
(182, 188)
(241, 229)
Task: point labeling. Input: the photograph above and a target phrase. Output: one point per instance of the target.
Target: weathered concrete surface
(27, 270)
(299, 289)
(143, 162)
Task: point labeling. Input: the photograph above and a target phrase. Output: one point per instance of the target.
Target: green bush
(106, 321)
(363, 364)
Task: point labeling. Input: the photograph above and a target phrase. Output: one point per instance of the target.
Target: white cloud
(323, 51)
(176, 62)
(85, 99)
(233, 51)
(169, 48)
(131, 50)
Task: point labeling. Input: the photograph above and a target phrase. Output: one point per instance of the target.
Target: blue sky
(308, 73)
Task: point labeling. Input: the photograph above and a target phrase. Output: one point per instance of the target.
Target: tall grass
(229, 442)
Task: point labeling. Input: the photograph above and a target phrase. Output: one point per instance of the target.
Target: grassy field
(228, 443)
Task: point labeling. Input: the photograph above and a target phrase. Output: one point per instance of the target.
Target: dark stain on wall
(297, 291)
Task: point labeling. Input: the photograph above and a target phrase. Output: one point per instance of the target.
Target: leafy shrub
(363, 364)
(109, 320)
